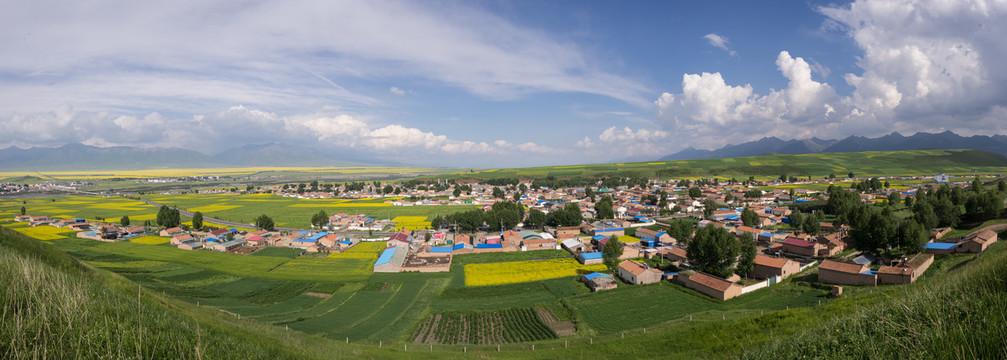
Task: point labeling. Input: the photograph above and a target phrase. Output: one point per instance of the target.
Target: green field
(872, 163)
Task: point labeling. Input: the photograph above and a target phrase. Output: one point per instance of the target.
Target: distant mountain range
(891, 142)
(85, 157)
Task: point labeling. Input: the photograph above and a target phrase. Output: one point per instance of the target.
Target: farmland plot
(524, 271)
(496, 327)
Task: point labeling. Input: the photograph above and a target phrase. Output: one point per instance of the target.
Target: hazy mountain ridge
(891, 142)
(86, 157)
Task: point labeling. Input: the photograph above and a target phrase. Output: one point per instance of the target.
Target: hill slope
(873, 163)
(891, 142)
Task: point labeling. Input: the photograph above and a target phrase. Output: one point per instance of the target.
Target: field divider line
(281, 322)
(426, 283)
(372, 314)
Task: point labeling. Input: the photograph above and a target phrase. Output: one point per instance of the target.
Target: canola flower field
(525, 271)
(411, 222)
(151, 240)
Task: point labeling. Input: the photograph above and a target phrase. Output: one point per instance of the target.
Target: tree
(708, 208)
(977, 185)
(319, 219)
(924, 214)
(398, 190)
(603, 208)
(909, 202)
(796, 219)
(536, 219)
(517, 196)
(1002, 186)
(589, 192)
(568, 216)
(23, 210)
(611, 252)
(871, 229)
(168, 217)
(911, 236)
(663, 202)
(457, 192)
(747, 259)
(197, 220)
(983, 206)
(850, 175)
(753, 194)
(894, 198)
(388, 189)
(749, 217)
(264, 222)
(681, 229)
(695, 192)
(124, 221)
(713, 250)
(498, 193)
(811, 224)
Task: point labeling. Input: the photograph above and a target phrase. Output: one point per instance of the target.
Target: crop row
(496, 327)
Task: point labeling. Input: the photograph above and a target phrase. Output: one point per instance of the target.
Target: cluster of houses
(781, 253)
(86, 229)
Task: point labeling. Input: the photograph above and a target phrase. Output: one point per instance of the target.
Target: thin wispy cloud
(720, 42)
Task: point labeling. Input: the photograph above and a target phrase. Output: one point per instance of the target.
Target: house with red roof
(800, 247)
(638, 274)
(767, 266)
(844, 273)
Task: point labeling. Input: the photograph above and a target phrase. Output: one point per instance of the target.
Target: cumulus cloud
(239, 125)
(720, 42)
(926, 66)
(616, 144)
(714, 113)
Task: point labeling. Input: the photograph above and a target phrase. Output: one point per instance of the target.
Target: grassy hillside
(872, 163)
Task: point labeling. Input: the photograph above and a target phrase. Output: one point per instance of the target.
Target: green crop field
(495, 327)
(872, 163)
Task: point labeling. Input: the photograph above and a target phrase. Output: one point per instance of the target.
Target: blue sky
(495, 83)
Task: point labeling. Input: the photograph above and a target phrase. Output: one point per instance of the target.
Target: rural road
(236, 224)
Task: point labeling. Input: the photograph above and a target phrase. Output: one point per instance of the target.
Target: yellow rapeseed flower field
(370, 247)
(411, 222)
(628, 239)
(524, 271)
(151, 240)
(43, 232)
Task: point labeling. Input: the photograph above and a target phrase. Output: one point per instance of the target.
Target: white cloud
(720, 42)
(616, 144)
(628, 135)
(396, 91)
(714, 113)
(282, 55)
(927, 64)
(240, 125)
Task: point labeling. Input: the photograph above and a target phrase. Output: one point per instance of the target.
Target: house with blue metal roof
(599, 281)
(391, 259)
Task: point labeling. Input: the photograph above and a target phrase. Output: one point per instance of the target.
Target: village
(640, 221)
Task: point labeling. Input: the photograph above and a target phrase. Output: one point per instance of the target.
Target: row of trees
(506, 215)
